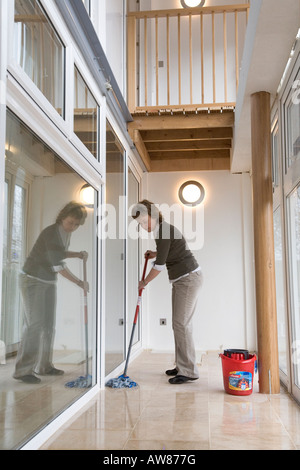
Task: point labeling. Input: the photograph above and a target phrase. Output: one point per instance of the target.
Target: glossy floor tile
(26, 408)
(193, 416)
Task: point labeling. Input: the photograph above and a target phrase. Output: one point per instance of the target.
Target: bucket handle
(228, 352)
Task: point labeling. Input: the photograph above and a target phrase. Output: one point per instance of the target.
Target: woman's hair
(146, 207)
(72, 209)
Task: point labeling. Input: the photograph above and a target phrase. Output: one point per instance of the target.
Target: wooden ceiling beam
(187, 145)
(141, 148)
(203, 164)
(185, 142)
(187, 121)
(192, 154)
(186, 134)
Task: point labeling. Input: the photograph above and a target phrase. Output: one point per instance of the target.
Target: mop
(123, 381)
(83, 381)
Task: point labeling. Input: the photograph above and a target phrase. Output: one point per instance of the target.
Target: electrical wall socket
(163, 321)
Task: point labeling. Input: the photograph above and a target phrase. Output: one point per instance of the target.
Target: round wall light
(191, 193)
(192, 3)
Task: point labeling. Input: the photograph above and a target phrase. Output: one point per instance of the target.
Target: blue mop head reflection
(122, 381)
(80, 382)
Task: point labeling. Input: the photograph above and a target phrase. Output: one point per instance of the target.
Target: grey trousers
(185, 293)
(35, 351)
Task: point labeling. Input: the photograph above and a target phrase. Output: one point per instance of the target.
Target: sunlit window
(85, 114)
(39, 51)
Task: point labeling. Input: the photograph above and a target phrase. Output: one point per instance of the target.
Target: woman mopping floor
(186, 278)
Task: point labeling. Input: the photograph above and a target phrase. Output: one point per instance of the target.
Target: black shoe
(29, 379)
(172, 371)
(180, 379)
(53, 371)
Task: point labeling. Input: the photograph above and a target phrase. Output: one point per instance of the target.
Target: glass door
(133, 259)
(14, 250)
(47, 316)
(279, 246)
(291, 118)
(293, 208)
(280, 295)
(115, 252)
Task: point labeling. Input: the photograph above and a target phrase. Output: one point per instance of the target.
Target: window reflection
(275, 155)
(39, 51)
(48, 334)
(85, 114)
(38, 285)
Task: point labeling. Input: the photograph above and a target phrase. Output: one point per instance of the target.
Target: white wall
(225, 316)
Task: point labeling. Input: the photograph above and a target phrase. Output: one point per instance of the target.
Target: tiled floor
(192, 416)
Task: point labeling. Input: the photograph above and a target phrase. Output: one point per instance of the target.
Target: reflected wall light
(192, 3)
(191, 193)
(87, 195)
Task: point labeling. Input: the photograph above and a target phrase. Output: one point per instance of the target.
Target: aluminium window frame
(58, 135)
(4, 41)
(93, 89)
(25, 81)
(72, 55)
(290, 180)
(278, 204)
(21, 104)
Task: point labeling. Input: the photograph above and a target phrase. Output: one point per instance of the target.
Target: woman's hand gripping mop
(84, 382)
(123, 381)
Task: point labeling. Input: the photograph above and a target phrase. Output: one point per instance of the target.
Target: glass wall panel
(294, 261)
(85, 114)
(48, 333)
(280, 294)
(115, 252)
(133, 257)
(293, 126)
(39, 51)
(275, 155)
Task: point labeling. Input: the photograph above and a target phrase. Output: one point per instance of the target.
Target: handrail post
(131, 64)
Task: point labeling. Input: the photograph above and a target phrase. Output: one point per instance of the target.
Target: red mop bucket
(238, 371)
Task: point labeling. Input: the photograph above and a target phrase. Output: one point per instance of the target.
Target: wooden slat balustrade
(152, 37)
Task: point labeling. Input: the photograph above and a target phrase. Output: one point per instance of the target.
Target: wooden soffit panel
(184, 142)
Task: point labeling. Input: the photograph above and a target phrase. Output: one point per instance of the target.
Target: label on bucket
(240, 381)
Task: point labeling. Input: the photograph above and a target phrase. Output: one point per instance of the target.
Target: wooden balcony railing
(185, 58)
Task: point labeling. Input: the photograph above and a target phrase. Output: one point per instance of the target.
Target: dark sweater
(172, 251)
(46, 257)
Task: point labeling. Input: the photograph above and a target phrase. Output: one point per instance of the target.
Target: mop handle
(86, 318)
(144, 272)
(84, 290)
(84, 269)
(135, 319)
(141, 290)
